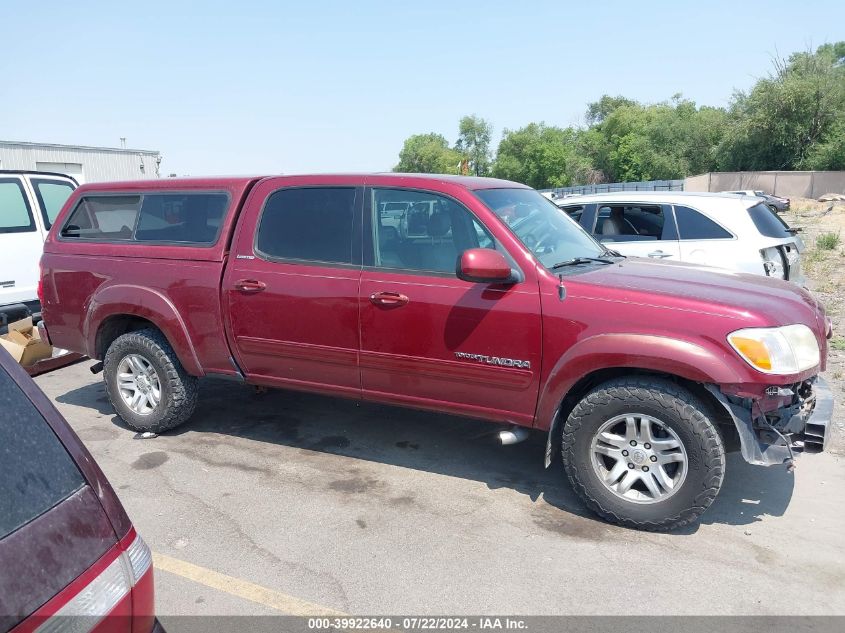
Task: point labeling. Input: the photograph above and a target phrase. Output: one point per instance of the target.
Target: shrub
(827, 241)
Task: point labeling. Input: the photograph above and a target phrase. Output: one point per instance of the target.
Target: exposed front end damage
(781, 422)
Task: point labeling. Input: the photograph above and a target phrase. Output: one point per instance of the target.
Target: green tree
(474, 135)
(428, 154)
(538, 155)
(630, 141)
(791, 119)
(599, 110)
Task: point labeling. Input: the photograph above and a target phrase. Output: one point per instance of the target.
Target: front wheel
(146, 383)
(642, 452)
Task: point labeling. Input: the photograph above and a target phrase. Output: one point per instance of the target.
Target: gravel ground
(825, 272)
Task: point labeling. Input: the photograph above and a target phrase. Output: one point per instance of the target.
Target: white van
(29, 202)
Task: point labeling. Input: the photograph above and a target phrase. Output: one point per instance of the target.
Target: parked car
(736, 232)
(775, 203)
(70, 559)
(29, 203)
(485, 301)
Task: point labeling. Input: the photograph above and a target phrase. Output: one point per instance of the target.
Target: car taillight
(98, 599)
(119, 585)
(140, 558)
(40, 283)
(774, 263)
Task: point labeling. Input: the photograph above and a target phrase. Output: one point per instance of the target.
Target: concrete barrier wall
(791, 184)
(828, 182)
(697, 183)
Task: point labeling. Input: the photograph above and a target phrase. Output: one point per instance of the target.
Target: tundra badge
(495, 360)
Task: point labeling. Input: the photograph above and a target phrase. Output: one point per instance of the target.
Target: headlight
(777, 350)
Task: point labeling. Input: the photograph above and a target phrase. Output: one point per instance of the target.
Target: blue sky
(269, 87)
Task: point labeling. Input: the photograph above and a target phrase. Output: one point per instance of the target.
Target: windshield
(544, 229)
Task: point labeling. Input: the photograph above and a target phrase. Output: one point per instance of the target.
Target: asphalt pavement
(292, 503)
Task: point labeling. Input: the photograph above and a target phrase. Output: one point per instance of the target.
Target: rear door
(50, 194)
(429, 339)
(52, 525)
(705, 241)
(21, 243)
(637, 229)
(291, 285)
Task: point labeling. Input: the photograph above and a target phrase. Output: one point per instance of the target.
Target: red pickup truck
(470, 296)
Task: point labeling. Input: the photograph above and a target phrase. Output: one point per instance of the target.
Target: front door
(637, 229)
(429, 339)
(21, 244)
(291, 287)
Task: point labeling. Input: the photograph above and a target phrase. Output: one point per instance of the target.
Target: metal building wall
(98, 163)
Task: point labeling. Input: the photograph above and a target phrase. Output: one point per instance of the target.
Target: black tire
(677, 409)
(178, 388)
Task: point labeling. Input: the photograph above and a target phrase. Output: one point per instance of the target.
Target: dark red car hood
(703, 289)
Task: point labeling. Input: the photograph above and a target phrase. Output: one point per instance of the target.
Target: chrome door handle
(388, 299)
(250, 285)
(659, 254)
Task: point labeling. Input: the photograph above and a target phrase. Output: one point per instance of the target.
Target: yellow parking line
(240, 588)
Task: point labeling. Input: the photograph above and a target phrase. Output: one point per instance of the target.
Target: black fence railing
(647, 185)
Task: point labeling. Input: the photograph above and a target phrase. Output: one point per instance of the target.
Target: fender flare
(644, 352)
(146, 303)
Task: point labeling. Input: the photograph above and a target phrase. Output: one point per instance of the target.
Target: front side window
(693, 225)
(574, 211)
(36, 472)
(551, 235)
(180, 218)
(311, 224)
(52, 195)
(419, 230)
(633, 223)
(15, 216)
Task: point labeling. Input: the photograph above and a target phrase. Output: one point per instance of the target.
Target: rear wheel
(642, 452)
(146, 383)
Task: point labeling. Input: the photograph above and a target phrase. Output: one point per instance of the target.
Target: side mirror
(484, 265)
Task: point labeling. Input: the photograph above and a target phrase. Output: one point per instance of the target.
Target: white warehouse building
(85, 164)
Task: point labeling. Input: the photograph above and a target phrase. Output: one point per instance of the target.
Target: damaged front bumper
(772, 437)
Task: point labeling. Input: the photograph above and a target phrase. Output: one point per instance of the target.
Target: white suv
(721, 230)
(29, 202)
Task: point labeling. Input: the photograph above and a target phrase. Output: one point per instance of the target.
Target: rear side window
(181, 218)
(693, 225)
(52, 195)
(15, 215)
(768, 222)
(312, 224)
(36, 472)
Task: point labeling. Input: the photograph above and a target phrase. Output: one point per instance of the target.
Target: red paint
(483, 265)
(77, 539)
(393, 336)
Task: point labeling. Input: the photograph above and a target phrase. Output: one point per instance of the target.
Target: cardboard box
(24, 343)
